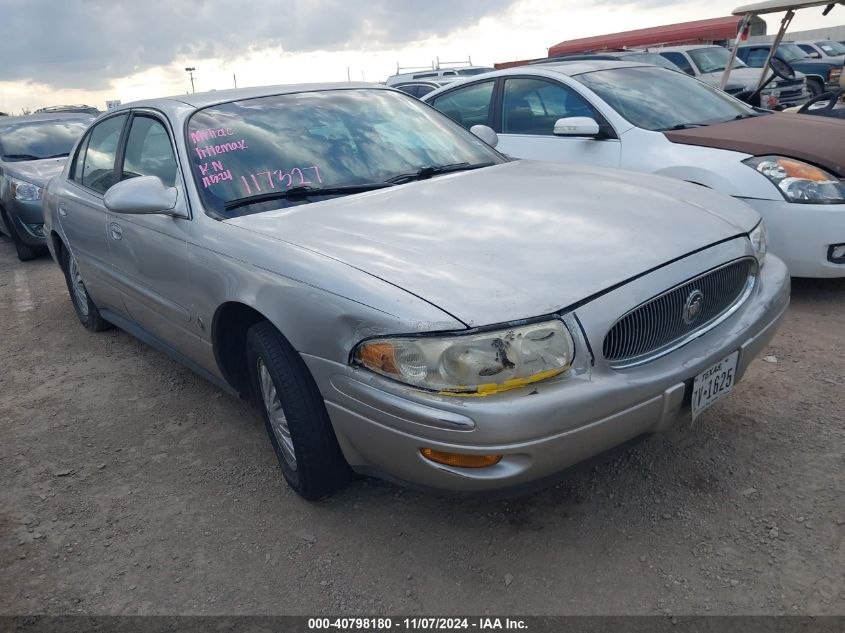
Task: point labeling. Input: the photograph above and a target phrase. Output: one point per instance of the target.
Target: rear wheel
(295, 415)
(86, 310)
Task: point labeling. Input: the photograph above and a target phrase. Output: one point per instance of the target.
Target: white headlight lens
(23, 190)
(475, 363)
(759, 241)
(798, 181)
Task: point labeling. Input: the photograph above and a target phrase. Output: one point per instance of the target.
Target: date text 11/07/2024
(417, 624)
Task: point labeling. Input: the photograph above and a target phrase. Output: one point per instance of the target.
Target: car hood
(517, 240)
(38, 172)
(744, 77)
(815, 139)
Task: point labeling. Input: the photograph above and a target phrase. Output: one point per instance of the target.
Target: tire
(24, 251)
(295, 415)
(85, 308)
(815, 87)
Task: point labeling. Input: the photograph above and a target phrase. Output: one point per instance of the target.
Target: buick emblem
(692, 307)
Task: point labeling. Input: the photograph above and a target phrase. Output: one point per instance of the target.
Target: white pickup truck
(707, 63)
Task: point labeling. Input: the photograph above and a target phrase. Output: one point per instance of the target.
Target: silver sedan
(400, 299)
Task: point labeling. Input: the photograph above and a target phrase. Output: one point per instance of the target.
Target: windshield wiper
(20, 157)
(304, 192)
(686, 126)
(31, 157)
(435, 170)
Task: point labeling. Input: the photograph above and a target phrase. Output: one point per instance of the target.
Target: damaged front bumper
(541, 429)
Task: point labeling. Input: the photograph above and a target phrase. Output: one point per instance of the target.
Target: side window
(79, 160)
(149, 152)
(531, 106)
(98, 168)
(680, 60)
(812, 52)
(467, 106)
(410, 89)
(423, 90)
(756, 57)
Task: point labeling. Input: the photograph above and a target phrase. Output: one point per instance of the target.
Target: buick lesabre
(401, 299)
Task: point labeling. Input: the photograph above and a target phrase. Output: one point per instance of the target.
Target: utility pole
(190, 70)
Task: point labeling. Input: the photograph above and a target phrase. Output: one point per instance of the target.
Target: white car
(641, 117)
(823, 49)
(437, 74)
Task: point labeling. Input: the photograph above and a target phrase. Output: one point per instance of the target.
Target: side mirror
(486, 134)
(815, 54)
(142, 195)
(576, 126)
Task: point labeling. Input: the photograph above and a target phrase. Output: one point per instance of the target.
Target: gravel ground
(132, 486)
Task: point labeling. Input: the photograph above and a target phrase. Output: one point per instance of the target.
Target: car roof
(570, 67)
(216, 97)
(46, 116)
(685, 47)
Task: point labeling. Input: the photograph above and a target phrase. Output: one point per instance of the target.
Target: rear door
(82, 214)
(525, 115)
(149, 251)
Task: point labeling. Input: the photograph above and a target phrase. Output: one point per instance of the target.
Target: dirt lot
(128, 485)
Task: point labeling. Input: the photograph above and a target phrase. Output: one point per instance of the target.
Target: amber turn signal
(461, 460)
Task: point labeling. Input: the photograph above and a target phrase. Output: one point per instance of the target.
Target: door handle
(115, 231)
(62, 209)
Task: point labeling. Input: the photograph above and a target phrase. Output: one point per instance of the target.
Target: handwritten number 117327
(296, 177)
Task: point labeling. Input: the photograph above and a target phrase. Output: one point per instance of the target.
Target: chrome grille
(658, 326)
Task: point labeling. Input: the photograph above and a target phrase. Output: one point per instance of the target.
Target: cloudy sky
(87, 51)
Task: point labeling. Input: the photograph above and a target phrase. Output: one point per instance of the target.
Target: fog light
(836, 253)
(461, 460)
(36, 229)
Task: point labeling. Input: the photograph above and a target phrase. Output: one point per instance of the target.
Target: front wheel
(295, 415)
(25, 252)
(85, 308)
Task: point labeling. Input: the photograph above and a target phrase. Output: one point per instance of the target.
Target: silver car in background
(401, 299)
(33, 149)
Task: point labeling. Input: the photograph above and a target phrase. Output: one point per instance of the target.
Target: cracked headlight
(471, 364)
(26, 191)
(759, 242)
(799, 181)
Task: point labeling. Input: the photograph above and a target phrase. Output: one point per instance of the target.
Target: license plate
(713, 384)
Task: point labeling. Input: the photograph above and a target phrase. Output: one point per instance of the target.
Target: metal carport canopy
(778, 6)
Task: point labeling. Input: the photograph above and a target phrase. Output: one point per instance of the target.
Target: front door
(529, 108)
(149, 251)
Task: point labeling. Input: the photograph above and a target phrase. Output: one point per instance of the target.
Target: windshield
(791, 53)
(466, 72)
(33, 140)
(257, 149)
(651, 58)
(833, 49)
(657, 99)
(713, 59)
